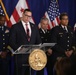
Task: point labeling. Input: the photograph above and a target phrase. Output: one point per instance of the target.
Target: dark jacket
(64, 40)
(45, 37)
(18, 36)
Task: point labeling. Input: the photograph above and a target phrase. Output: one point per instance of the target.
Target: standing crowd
(60, 58)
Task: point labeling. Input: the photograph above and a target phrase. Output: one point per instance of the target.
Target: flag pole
(4, 10)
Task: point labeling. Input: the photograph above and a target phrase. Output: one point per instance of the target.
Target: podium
(21, 56)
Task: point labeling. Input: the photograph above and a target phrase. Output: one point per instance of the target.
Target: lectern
(21, 55)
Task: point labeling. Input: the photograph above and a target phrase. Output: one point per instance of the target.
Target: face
(44, 24)
(64, 21)
(2, 21)
(26, 16)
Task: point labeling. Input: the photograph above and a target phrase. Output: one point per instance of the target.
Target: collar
(65, 27)
(43, 30)
(25, 23)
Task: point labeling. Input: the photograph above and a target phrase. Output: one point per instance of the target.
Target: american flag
(53, 14)
(1, 10)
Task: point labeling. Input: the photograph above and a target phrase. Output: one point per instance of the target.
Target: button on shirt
(4, 37)
(24, 25)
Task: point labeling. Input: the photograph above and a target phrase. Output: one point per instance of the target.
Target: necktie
(65, 29)
(45, 31)
(27, 32)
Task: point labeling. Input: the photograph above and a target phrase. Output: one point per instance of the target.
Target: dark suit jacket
(65, 40)
(18, 36)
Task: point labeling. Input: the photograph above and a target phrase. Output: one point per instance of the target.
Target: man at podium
(24, 33)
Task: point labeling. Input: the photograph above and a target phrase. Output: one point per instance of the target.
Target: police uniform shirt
(65, 28)
(4, 37)
(65, 40)
(45, 35)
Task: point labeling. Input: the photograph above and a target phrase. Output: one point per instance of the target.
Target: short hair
(63, 14)
(27, 10)
(63, 66)
(43, 18)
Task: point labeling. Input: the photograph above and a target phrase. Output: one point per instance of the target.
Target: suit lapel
(62, 29)
(24, 33)
(43, 31)
(22, 29)
(32, 31)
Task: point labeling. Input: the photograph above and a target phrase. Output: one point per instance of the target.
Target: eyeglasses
(65, 19)
(27, 16)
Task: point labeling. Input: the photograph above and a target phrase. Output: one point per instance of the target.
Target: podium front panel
(21, 64)
(21, 56)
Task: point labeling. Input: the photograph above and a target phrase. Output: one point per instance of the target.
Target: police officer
(4, 37)
(64, 38)
(45, 35)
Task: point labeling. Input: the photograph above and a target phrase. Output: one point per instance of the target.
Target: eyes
(65, 19)
(27, 16)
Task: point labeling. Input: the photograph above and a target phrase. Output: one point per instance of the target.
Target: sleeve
(74, 42)
(12, 38)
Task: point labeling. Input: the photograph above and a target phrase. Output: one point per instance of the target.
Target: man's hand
(49, 51)
(69, 53)
(3, 54)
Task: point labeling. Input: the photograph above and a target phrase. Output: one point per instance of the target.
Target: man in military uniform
(45, 35)
(4, 36)
(64, 38)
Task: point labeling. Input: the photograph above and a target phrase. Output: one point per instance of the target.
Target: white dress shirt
(29, 27)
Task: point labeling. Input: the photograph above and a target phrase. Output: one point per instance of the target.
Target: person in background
(4, 52)
(64, 38)
(24, 33)
(45, 35)
(63, 66)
